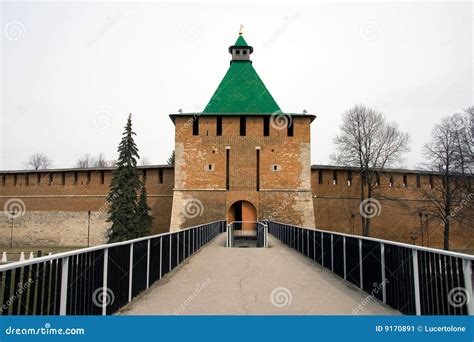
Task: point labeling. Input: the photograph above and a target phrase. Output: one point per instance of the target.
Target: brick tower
(242, 158)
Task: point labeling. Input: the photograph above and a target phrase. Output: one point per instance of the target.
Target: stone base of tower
(195, 207)
(294, 207)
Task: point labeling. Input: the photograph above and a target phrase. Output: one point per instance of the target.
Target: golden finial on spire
(241, 31)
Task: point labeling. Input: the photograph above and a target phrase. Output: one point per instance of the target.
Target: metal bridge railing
(97, 280)
(414, 280)
(240, 229)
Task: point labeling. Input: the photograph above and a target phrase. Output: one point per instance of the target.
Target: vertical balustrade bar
(148, 264)
(104, 282)
(382, 264)
(308, 232)
(344, 255)
(467, 271)
(416, 282)
(322, 249)
(161, 257)
(177, 249)
(170, 249)
(64, 284)
(130, 274)
(189, 243)
(332, 252)
(361, 272)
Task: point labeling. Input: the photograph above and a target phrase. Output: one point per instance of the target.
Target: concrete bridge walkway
(253, 281)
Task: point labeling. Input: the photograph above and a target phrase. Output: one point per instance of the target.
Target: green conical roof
(240, 41)
(241, 91)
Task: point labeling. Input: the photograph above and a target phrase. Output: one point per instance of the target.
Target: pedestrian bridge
(253, 281)
(191, 272)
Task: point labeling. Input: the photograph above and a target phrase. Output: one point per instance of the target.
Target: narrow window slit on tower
(219, 126)
(431, 181)
(320, 176)
(50, 180)
(266, 126)
(349, 178)
(63, 178)
(4, 180)
(196, 126)
(258, 170)
(391, 181)
(88, 177)
(144, 176)
(405, 181)
(377, 179)
(75, 178)
(289, 127)
(27, 180)
(38, 178)
(243, 126)
(418, 181)
(160, 176)
(334, 177)
(15, 179)
(227, 167)
(102, 177)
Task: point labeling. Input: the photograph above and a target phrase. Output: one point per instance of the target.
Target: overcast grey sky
(71, 73)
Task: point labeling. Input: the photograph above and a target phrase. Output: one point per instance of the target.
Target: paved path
(252, 281)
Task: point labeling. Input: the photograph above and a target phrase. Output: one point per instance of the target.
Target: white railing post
(130, 279)
(344, 255)
(314, 245)
(227, 236)
(148, 264)
(307, 241)
(467, 271)
(322, 249)
(265, 236)
(189, 243)
(64, 285)
(361, 273)
(177, 249)
(104, 282)
(416, 282)
(161, 257)
(332, 252)
(382, 264)
(170, 249)
(230, 242)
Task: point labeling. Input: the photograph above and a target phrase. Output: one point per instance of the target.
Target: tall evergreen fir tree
(171, 158)
(124, 187)
(145, 220)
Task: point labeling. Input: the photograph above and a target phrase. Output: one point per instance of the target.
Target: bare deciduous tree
(449, 153)
(38, 161)
(84, 162)
(370, 143)
(145, 161)
(100, 161)
(87, 161)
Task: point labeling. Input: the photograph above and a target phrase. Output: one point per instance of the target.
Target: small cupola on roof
(240, 51)
(241, 91)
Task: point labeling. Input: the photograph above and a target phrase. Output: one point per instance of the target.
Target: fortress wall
(56, 205)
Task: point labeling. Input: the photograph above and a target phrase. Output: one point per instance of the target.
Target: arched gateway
(244, 214)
